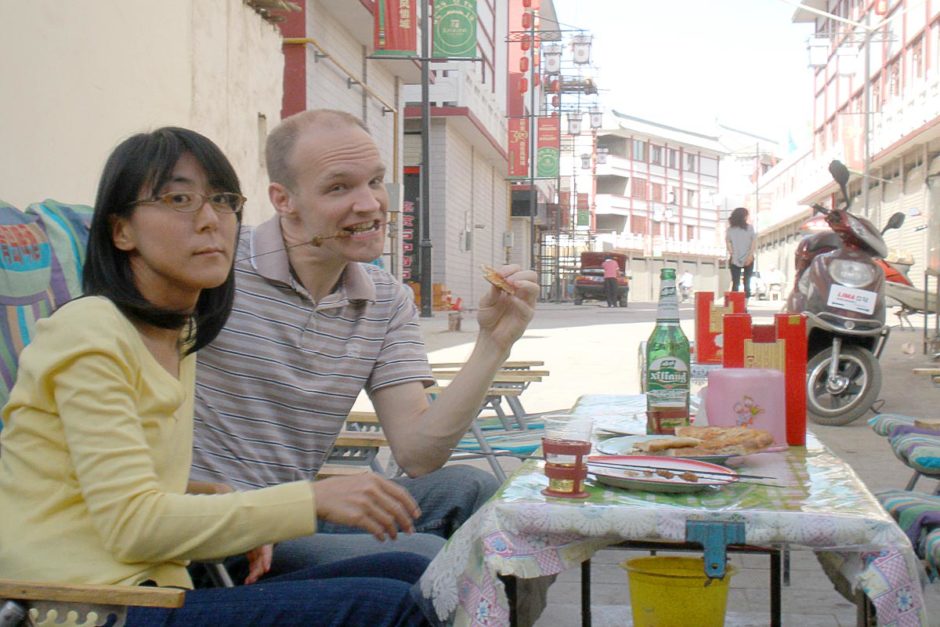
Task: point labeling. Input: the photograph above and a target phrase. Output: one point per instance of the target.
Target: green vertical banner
(549, 146)
(584, 210)
(455, 29)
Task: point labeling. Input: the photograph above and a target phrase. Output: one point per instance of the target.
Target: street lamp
(868, 30)
(574, 123)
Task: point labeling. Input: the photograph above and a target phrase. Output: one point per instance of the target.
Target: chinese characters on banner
(455, 29)
(564, 209)
(852, 144)
(395, 28)
(410, 221)
(584, 211)
(549, 145)
(518, 148)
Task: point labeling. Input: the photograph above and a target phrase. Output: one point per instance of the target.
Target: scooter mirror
(840, 174)
(895, 221)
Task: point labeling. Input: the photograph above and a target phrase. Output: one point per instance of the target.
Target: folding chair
(30, 602)
(34, 282)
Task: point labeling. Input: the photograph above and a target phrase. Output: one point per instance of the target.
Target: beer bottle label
(667, 382)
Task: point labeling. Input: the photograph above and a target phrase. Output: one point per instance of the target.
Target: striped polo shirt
(275, 386)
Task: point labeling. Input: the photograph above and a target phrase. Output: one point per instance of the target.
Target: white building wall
(80, 77)
(327, 85)
(440, 170)
(457, 209)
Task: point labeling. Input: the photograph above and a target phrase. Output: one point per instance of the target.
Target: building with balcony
(894, 157)
(658, 190)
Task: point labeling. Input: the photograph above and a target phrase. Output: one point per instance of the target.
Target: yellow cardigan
(94, 462)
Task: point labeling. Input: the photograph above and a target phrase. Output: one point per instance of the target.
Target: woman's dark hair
(146, 161)
(738, 218)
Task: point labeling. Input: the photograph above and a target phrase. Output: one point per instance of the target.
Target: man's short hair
(281, 141)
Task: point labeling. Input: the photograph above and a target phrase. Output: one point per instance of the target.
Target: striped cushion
(41, 256)
(918, 514)
(519, 442)
(495, 424)
(913, 511)
(920, 451)
(931, 552)
(883, 424)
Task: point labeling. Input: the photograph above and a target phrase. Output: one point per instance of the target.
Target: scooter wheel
(836, 405)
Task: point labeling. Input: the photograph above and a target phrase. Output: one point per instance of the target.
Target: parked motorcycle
(898, 286)
(840, 288)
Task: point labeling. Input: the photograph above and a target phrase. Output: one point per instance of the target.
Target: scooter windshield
(867, 234)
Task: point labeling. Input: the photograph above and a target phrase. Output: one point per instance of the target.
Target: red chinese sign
(395, 28)
(518, 148)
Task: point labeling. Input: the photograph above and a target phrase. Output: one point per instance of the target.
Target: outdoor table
(824, 507)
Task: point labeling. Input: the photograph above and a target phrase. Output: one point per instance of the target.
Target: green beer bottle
(667, 364)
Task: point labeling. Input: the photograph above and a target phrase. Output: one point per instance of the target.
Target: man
(314, 323)
(686, 283)
(611, 272)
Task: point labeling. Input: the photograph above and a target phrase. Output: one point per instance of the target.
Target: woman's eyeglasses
(190, 202)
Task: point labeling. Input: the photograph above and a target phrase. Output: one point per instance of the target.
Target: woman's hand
(368, 501)
(208, 487)
(259, 562)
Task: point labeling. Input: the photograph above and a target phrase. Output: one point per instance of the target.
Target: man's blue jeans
(374, 591)
(447, 497)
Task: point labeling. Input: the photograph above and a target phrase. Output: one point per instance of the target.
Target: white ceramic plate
(659, 474)
(625, 446)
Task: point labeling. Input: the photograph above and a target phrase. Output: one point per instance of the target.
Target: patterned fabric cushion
(884, 424)
(920, 451)
(931, 552)
(518, 442)
(918, 515)
(41, 255)
(913, 511)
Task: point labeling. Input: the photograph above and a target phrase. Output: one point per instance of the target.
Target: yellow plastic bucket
(674, 592)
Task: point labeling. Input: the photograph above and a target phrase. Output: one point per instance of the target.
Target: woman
(741, 242)
(98, 438)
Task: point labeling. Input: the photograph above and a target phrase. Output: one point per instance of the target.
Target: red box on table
(781, 346)
(708, 325)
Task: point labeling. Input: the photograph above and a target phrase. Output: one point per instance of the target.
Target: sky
(688, 63)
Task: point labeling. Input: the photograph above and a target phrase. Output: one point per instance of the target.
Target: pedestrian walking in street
(611, 272)
(741, 241)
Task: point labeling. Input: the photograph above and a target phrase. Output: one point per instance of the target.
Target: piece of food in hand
(318, 240)
(663, 444)
(494, 277)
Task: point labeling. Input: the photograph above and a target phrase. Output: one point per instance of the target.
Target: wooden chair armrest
(437, 389)
(365, 417)
(932, 371)
(361, 439)
(506, 364)
(341, 470)
(140, 596)
(500, 377)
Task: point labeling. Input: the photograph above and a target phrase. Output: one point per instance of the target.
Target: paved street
(593, 349)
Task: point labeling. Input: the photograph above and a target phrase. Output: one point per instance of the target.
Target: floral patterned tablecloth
(823, 506)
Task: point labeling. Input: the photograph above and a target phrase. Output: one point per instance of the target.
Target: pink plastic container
(749, 397)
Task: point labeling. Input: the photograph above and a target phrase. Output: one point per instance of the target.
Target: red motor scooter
(840, 288)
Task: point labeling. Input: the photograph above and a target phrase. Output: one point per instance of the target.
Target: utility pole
(533, 204)
(424, 248)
